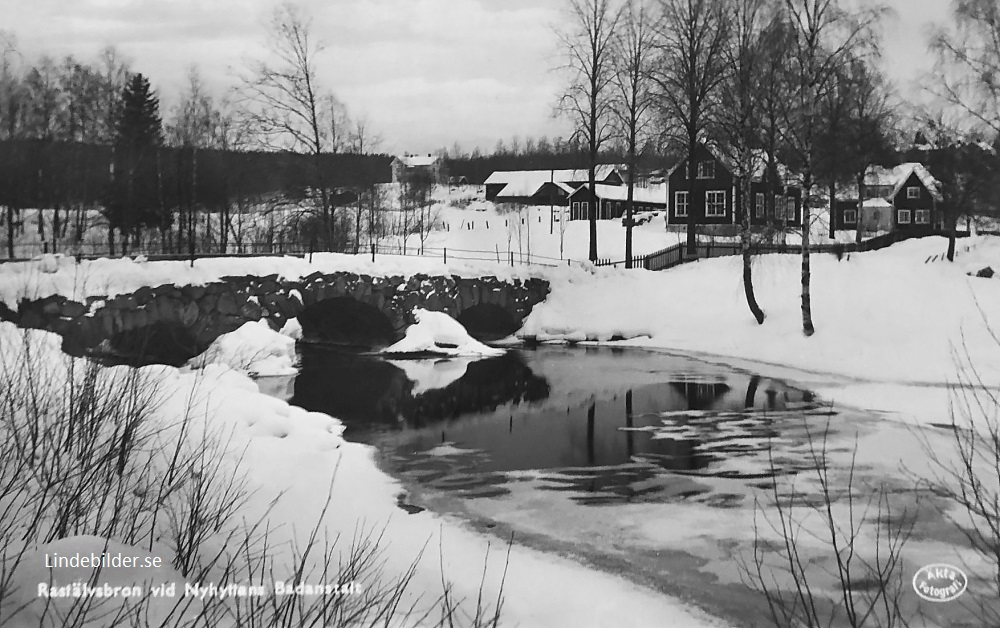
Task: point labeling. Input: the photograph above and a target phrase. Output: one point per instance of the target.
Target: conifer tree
(134, 196)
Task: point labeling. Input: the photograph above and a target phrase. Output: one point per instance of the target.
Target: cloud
(425, 72)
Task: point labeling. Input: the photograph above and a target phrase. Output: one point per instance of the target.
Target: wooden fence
(678, 254)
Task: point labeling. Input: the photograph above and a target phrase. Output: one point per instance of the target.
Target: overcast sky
(426, 73)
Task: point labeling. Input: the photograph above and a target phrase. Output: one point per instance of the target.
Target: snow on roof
(524, 179)
(417, 161)
(893, 178)
(758, 160)
(897, 177)
(877, 203)
(654, 194)
(926, 178)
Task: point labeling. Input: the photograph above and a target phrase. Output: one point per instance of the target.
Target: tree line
(83, 137)
(781, 82)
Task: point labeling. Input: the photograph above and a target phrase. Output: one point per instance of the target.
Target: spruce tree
(134, 199)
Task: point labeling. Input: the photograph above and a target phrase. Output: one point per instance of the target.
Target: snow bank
(438, 333)
(294, 460)
(880, 316)
(254, 348)
(292, 329)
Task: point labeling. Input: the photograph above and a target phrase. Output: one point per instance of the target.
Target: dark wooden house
(911, 201)
(715, 197)
(612, 201)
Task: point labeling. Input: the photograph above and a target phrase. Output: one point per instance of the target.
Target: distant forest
(49, 174)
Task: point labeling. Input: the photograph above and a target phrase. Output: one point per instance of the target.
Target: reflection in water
(605, 425)
(370, 394)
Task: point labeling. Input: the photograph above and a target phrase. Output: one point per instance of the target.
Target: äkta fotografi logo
(940, 582)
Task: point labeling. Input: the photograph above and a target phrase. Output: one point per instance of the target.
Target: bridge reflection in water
(604, 424)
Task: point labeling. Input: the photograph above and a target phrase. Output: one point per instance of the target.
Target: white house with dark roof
(408, 165)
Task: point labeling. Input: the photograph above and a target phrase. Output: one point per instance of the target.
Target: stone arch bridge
(170, 324)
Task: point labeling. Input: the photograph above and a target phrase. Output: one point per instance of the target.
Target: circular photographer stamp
(940, 582)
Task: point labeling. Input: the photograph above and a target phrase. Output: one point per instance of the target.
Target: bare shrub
(85, 450)
(857, 527)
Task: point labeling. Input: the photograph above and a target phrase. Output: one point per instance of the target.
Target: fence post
(445, 255)
(373, 251)
(511, 257)
(497, 247)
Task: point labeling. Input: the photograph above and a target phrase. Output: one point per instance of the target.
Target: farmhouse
(715, 198)
(413, 165)
(906, 197)
(544, 187)
(611, 201)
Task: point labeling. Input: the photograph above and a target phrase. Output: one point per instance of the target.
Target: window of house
(759, 209)
(790, 208)
(575, 212)
(681, 204)
(913, 192)
(850, 216)
(922, 217)
(715, 203)
(779, 207)
(706, 169)
(903, 217)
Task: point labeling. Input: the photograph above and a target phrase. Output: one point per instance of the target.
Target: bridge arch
(487, 321)
(347, 321)
(169, 343)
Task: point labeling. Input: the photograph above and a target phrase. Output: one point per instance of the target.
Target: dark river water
(651, 465)
(605, 419)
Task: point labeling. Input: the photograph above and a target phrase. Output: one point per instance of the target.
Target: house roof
(654, 194)
(527, 182)
(758, 159)
(895, 178)
(417, 161)
(904, 171)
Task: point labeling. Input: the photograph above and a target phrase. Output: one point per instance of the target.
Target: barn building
(544, 187)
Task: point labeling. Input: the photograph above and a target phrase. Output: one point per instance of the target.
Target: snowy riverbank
(291, 457)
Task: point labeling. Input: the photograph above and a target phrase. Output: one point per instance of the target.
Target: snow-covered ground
(291, 457)
(891, 331)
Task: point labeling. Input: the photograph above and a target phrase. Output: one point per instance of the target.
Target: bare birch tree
(284, 102)
(824, 34)
(690, 71)
(587, 44)
(739, 120)
(633, 56)
(871, 120)
(967, 73)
